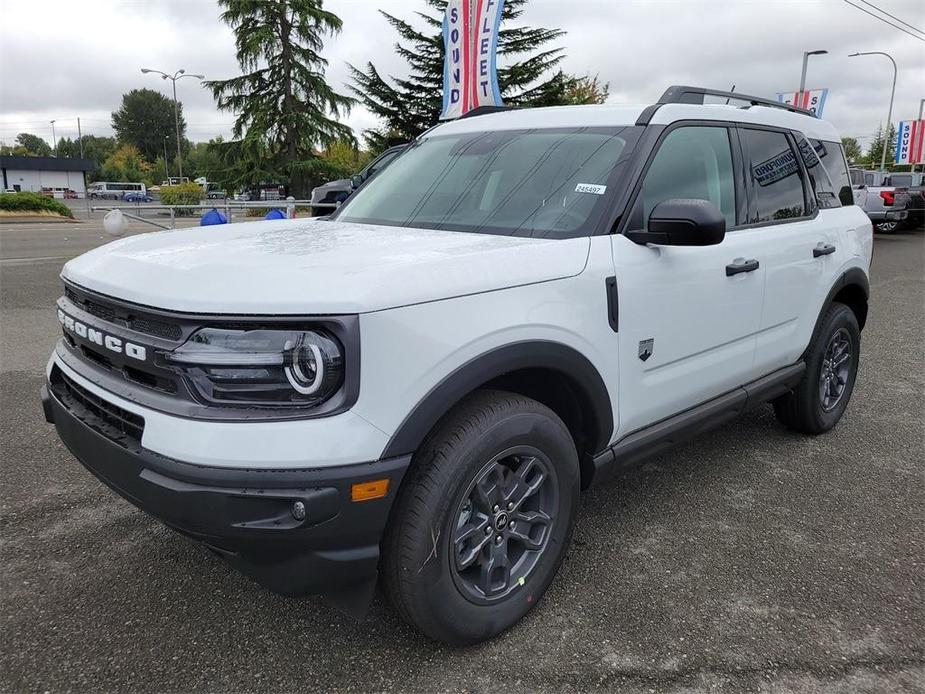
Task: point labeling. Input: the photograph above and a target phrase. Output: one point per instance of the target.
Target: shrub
(33, 202)
(183, 194)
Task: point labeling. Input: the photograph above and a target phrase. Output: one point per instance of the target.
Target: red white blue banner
(812, 100)
(470, 71)
(909, 142)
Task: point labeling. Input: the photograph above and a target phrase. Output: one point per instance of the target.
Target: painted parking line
(29, 261)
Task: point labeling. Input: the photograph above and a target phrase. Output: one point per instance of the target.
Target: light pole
(889, 115)
(921, 104)
(806, 55)
(178, 75)
(53, 138)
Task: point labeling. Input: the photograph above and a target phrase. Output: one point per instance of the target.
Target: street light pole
(166, 166)
(921, 104)
(179, 74)
(806, 55)
(54, 139)
(889, 116)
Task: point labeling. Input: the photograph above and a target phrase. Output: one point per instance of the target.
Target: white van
(106, 190)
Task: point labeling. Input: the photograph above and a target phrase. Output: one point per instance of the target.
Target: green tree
(852, 148)
(409, 105)
(284, 106)
(145, 119)
(33, 145)
(95, 148)
(126, 164)
(586, 90)
(876, 148)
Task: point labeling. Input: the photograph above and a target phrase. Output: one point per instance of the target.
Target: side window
(832, 156)
(776, 176)
(819, 180)
(692, 162)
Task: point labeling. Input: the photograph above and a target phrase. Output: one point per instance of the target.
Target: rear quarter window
(832, 156)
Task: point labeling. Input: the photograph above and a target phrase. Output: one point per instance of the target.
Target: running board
(659, 437)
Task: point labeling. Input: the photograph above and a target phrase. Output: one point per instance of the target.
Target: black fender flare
(582, 374)
(854, 276)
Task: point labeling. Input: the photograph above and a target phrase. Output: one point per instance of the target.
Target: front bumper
(244, 515)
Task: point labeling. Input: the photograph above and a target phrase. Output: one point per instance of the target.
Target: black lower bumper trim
(328, 544)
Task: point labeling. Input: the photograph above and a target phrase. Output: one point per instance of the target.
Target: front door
(688, 315)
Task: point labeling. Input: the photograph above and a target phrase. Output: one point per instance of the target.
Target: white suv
(525, 303)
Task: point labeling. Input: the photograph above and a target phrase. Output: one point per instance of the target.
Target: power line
(885, 21)
(882, 11)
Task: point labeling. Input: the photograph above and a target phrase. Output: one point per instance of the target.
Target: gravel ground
(750, 560)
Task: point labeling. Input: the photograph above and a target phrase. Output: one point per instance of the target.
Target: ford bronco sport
(416, 390)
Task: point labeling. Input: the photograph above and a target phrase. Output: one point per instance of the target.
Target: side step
(659, 437)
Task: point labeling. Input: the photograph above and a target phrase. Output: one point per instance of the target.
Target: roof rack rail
(483, 110)
(679, 94)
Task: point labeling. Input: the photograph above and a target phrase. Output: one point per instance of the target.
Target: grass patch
(32, 203)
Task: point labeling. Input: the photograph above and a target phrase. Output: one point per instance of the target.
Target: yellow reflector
(374, 489)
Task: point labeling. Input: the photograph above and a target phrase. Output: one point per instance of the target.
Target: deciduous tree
(145, 119)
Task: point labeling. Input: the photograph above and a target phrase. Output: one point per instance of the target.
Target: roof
(616, 115)
(46, 163)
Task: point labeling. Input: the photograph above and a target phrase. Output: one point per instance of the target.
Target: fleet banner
(470, 72)
(909, 142)
(812, 100)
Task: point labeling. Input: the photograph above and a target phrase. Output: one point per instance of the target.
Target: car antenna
(730, 91)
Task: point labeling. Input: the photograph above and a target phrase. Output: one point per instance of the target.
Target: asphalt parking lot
(750, 560)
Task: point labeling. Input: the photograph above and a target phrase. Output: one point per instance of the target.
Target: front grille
(110, 420)
(125, 316)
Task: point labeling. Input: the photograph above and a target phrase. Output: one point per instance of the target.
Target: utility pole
(889, 116)
(80, 144)
(806, 55)
(921, 104)
(54, 139)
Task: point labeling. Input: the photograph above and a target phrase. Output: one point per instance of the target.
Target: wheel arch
(552, 373)
(852, 289)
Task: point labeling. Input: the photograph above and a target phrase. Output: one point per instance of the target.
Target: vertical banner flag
(470, 71)
(909, 142)
(811, 100)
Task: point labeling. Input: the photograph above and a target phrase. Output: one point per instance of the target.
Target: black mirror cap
(683, 222)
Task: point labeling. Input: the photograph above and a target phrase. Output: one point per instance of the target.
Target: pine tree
(284, 106)
(410, 105)
(876, 148)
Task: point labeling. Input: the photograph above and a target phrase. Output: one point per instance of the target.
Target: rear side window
(776, 178)
(692, 162)
(832, 156)
(819, 181)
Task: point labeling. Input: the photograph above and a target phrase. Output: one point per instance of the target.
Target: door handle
(744, 266)
(823, 249)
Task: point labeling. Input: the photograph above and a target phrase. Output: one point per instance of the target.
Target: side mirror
(683, 222)
(356, 181)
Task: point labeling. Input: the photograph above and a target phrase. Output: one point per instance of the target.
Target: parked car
(883, 204)
(328, 197)
(418, 388)
(914, 186)
(137, 197)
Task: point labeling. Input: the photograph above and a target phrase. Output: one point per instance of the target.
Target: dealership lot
(751, 559)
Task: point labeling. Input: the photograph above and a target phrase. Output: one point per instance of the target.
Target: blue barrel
(276, 213)
(211, 217)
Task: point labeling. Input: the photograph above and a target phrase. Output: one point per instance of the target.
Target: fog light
(298, 510)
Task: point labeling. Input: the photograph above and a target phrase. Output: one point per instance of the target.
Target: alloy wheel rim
(503, 524)
(836, 367)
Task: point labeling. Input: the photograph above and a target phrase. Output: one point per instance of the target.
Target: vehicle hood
(308, 266)
(340, 183)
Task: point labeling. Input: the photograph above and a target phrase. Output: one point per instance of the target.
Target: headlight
(289, 368)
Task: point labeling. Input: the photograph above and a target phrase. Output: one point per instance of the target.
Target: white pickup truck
(885, 205)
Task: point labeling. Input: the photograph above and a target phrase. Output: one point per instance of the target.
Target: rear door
(796, 236)
(687, 326)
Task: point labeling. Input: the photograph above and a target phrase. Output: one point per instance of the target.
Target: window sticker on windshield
(590, 188)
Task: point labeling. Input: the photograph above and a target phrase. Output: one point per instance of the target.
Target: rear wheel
(820, 399)
(483, 521)
(887, 227)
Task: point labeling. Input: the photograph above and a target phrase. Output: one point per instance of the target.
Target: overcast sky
(63, 59)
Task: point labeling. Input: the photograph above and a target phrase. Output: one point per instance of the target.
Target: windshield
(542, 183)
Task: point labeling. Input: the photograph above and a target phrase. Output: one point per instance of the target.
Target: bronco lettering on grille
(110, 342)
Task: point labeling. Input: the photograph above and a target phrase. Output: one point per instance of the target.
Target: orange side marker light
(373, 489)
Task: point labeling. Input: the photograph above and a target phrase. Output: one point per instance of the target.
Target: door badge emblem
(646, 347)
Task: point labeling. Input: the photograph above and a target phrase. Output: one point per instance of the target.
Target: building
(49, 173)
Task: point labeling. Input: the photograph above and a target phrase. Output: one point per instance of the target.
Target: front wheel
(820, 399)
(483, 521)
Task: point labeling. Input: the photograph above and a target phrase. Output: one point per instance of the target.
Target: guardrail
(289, 205)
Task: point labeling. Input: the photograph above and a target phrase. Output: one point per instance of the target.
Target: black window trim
(804, 178)
(620, 224)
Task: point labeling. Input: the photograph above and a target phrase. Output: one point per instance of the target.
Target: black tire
(420, 563)
(887, 227)
(813, 407)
